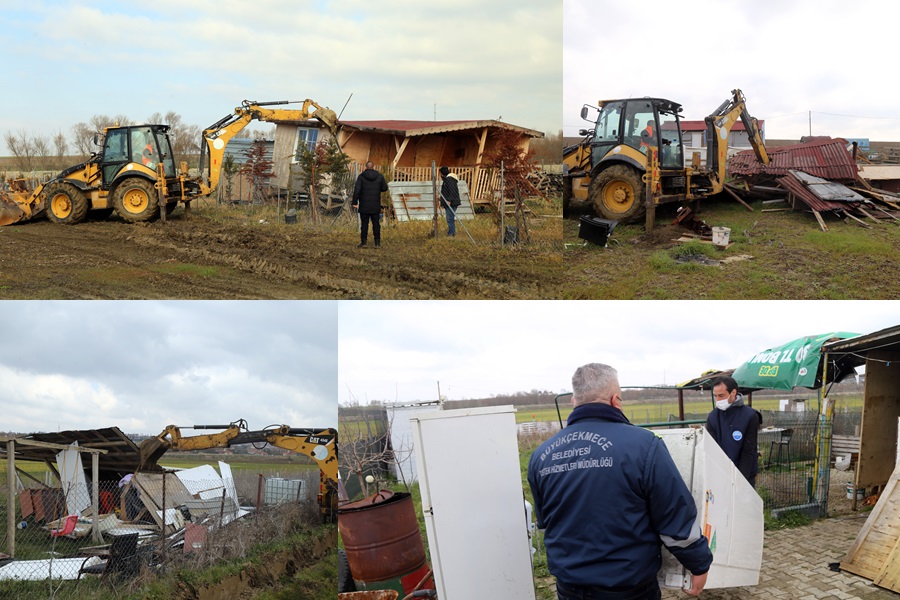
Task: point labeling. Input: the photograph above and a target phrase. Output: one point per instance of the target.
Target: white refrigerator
(729, 510)
(473, 503)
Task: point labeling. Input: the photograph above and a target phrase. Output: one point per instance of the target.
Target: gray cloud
(148, 364)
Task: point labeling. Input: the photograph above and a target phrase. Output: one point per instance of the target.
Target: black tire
(65, 203)
(617, 193)
(135, 200)
(345, 579)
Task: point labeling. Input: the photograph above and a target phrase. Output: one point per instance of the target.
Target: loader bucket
(9, 211)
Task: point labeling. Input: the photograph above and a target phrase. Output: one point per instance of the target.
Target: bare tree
(42, 150)
(21, 147)
(185, 138)
(61, 150)
(82, 138)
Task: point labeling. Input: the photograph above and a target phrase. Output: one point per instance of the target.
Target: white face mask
(722, 404)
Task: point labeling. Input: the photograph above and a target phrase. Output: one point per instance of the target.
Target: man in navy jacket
(735, 427)
(608, 495)
(367, 200)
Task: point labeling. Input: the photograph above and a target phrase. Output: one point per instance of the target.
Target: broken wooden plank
(858, 220)
(819, 219)
(864, 212)
(738, 198)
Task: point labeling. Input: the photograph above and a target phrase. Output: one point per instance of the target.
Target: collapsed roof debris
(818, 175)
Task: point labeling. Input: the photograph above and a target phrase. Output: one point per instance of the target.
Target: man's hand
(698, 582)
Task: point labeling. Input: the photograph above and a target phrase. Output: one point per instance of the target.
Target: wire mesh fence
(147, 522)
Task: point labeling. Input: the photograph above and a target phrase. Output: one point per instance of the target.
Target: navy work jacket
(608, 494)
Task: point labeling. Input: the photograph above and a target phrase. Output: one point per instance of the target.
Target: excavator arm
(217, 135)
(318, 444)
(719, 125)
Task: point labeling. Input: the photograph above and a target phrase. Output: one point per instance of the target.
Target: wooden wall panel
(881, 408)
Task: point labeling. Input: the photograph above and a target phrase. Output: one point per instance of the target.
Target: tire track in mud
(325, 266)
(323, 283)
(115, 260)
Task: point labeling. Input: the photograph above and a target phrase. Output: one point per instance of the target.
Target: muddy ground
(213, 255)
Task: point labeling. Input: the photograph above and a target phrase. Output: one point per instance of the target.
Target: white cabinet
(473, 502)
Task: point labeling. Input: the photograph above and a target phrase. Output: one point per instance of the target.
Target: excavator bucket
(152, 450)
(328, 117)
(9, 211)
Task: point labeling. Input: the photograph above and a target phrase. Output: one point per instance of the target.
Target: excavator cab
(639, 123)
(145, 145)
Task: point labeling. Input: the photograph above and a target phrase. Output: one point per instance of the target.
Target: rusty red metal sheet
(823, 157)
(791, 183)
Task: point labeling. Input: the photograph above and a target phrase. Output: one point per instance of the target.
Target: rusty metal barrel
(381, 536)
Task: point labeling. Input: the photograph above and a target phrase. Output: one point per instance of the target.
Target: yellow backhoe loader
(135, 172)
(633, 159)
(319, 444)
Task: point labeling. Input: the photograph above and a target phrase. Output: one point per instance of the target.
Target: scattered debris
(686, 218)
(818, 175)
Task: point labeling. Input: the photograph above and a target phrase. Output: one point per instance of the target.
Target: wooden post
(11, 507)
(434, 195)
(680, 404)
(95, 504)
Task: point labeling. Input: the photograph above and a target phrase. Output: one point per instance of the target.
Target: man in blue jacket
(735, 427)
(608, 495)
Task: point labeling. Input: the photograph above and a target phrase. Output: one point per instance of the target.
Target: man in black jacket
(367, 200)
(735, 427)
(450, 198)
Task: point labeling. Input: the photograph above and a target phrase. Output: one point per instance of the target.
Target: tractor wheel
(345, 579)
(617, 193)
(65, 203)
(135, 200)
(566, 195)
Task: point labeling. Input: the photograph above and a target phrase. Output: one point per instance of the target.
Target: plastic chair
(122, 559)
(67, 528)
(783, 442)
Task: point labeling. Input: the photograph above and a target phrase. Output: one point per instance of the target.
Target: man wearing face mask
(735, 426)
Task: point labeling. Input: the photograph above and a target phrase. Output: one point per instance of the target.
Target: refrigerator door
(729, 511)
(473, 503)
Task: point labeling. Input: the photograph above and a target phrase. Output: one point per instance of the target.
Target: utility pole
(439, 392)
(810, 123)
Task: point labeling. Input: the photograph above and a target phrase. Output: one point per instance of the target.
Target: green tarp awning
(794, 364)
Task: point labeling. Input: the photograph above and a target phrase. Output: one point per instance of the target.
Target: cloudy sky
(789, 58)
(399, 351)
(141, 366)
(400, 59)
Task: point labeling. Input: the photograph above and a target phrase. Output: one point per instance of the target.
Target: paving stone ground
(795, 566)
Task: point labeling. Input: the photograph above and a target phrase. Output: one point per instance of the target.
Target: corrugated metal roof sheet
(823, 157)
(239, 147)
(122, 455)
(414, 200)
(810, 190)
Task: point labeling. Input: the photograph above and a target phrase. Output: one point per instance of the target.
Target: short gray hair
(594, 382)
